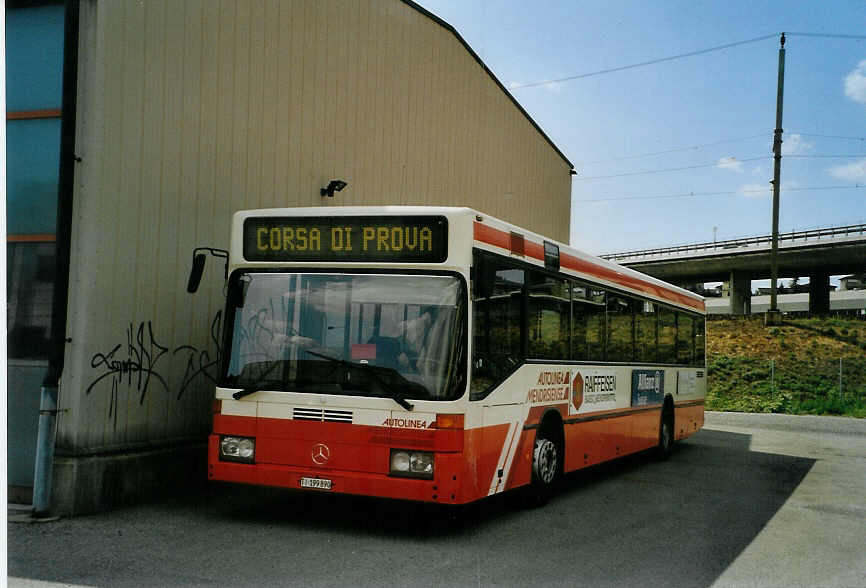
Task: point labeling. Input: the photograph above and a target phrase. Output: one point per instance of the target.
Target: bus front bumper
(444, 488)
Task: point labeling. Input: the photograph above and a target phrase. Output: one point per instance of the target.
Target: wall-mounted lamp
(333, 186)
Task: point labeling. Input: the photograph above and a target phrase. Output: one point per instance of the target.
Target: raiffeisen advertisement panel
(593, 390)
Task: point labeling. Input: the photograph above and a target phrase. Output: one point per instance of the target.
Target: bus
(440, 355)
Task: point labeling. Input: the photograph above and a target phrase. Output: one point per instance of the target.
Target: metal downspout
(57, 342)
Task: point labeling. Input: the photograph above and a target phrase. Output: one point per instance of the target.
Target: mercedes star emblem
(320, 454)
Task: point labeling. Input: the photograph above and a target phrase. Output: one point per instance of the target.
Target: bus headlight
(242, 449)
(412, 464)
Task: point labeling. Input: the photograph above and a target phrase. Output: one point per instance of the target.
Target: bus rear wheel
(666, 435)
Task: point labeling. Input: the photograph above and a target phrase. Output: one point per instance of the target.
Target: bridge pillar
(819, 293)
(741, 293)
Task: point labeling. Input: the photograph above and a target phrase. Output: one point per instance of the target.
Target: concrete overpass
(817, 253)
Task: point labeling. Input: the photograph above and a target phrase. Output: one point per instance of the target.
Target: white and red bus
(440, 355)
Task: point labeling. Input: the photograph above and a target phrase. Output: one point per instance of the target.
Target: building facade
(188, 111)
(34, 55)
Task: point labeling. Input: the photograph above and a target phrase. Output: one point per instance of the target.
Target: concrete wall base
(19, 494)
(95, 483)
(772, 318)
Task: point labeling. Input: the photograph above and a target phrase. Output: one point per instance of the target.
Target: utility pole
(774, 317)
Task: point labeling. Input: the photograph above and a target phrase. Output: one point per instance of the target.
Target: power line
(725, 141)
(727, 193)
(681, 56)
(643, 63)
(667, 196)
(827, 35)
(722, 163)
(676, 150)
(825, 156)
(829, 136)
(673, 169)
(822, 188)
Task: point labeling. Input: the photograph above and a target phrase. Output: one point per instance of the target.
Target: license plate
(318, 483)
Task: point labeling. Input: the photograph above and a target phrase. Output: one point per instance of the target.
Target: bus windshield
(381, 335)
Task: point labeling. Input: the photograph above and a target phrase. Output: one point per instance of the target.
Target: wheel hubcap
(545, 460)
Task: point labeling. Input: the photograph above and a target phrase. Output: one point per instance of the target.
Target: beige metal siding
(189, 111)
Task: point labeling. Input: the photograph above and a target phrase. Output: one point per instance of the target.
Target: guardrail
(814, 234)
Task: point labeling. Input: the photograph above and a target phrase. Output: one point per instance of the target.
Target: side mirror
(198, 261)
(195, 274)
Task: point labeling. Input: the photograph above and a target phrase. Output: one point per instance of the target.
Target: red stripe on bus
(33, 114)
(492, 236)
(533, 250)
(31, 238)
(688, 419)
(587, 267)
(536, 412)
(521, 465)
(609, 414)
(498, 238)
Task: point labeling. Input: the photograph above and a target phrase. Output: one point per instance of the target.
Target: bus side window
(497, 295)
(685, 339)
(620, 328)
(700, 341)
(587, 322)
(667, 351)
(595, 325)
(549, 317)
(646, 339)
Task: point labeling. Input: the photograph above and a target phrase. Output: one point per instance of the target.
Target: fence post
(772, 379)
(840, 378)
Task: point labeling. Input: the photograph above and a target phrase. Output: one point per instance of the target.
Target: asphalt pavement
(752, 500)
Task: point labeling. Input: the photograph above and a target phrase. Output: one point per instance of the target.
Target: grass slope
(793, 368)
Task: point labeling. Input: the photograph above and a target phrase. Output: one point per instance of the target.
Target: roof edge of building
(471, 51)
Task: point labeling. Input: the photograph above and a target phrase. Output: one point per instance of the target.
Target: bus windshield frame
(359, 332)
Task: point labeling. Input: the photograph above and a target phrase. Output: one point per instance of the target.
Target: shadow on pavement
(632, 522)
(683, 521)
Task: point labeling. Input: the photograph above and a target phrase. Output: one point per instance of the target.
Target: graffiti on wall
(134, 364)
(199, 362)
(139, 363)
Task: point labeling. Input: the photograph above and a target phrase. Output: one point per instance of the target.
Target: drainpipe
(57, 342)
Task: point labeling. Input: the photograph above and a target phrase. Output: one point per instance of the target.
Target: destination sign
(422, 239)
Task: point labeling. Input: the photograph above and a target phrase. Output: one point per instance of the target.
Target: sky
(716, 110)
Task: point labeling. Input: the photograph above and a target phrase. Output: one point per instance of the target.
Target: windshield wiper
(259, 385)
(392, 392)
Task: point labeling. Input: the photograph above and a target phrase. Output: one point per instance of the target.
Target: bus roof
(498, 235)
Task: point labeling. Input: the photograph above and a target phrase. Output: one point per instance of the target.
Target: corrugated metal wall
(191, 110)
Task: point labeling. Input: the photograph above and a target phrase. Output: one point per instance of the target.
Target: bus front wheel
(546, 465)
